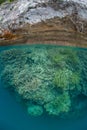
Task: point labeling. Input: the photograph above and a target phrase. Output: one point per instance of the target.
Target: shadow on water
(14, 117)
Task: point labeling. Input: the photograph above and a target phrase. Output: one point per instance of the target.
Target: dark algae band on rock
(47, 79)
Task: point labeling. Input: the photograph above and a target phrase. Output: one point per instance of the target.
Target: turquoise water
(13, 115)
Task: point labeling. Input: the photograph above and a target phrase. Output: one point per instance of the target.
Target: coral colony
(48, 79)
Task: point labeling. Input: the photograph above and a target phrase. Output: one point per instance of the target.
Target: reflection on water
(53, 78)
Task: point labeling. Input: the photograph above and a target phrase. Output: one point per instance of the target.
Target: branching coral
(28, 73)
(61, 104)
(57, 59)
(45, 77)
(14, 57)
(64, 57)
(66, 79)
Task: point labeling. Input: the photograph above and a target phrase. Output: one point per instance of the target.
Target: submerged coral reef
(48, 79)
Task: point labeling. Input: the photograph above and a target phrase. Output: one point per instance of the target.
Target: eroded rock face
(46, 21)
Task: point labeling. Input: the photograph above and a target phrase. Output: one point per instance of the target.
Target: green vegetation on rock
(2, 1)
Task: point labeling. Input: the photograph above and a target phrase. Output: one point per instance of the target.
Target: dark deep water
(14, 117)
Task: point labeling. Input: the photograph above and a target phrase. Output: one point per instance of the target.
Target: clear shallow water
(14, 117)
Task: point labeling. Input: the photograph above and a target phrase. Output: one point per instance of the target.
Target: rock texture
(45, 21)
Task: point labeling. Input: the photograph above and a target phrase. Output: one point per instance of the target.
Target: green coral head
(65, 78)
(61, 104)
